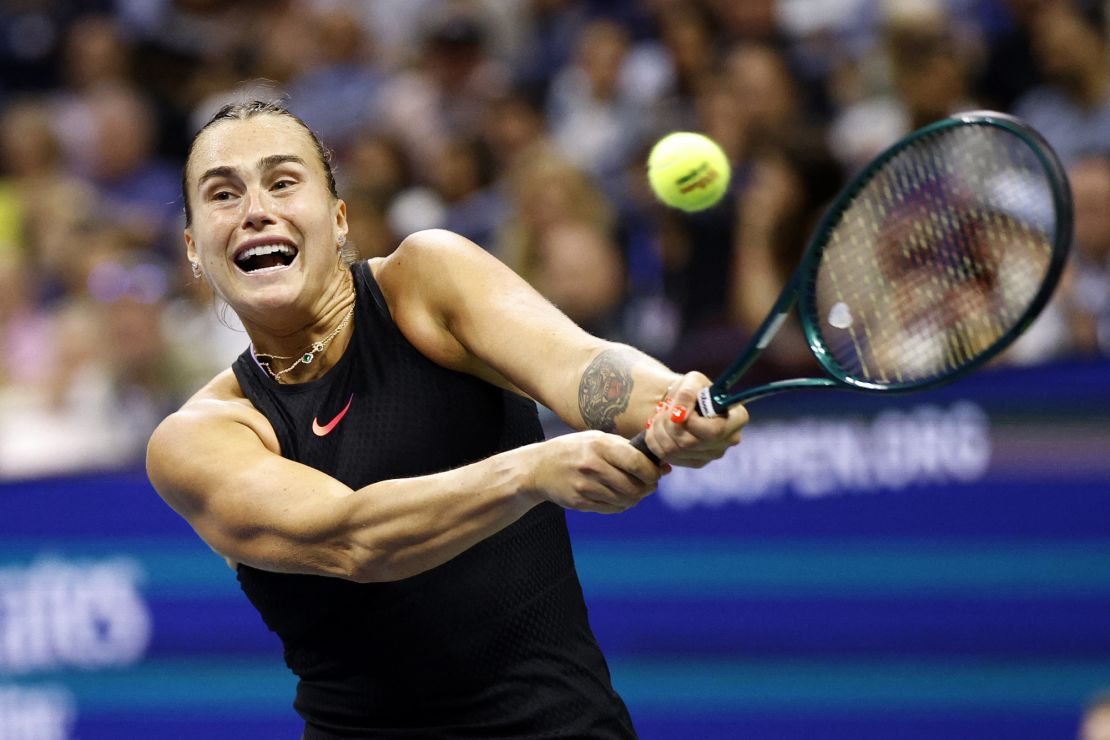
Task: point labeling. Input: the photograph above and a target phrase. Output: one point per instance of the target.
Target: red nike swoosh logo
(322, 431)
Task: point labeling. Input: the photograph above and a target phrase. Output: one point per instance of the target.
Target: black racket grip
(640, 443)
(706, 406)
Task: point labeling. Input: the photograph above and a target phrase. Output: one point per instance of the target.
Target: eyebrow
(272, 161)
(266, 163)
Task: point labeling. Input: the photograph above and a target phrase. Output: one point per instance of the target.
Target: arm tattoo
(605, 389)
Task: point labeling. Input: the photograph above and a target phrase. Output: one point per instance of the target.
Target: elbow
(375, 572)
(359, 563)
(362, 549)
(383, 563)
(351, 561)
(364, 570)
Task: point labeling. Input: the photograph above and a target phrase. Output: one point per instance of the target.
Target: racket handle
(706, 406)
(640, 443)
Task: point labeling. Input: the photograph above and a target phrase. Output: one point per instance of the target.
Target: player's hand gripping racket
(931, 261)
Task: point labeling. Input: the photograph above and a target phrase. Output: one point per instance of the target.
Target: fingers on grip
(640, 443)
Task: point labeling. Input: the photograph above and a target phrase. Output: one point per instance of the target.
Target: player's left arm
(465, 310)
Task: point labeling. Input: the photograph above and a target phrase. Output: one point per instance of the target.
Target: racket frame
(801, 288)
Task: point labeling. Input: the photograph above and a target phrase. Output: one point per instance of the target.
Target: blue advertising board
(927, 566)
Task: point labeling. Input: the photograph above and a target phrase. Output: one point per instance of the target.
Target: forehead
(242, 144)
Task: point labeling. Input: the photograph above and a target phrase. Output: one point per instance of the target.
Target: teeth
(264, 249)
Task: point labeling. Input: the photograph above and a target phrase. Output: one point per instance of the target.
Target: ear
(340, 218)
(190, 245)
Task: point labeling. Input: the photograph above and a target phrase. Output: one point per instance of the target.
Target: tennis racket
(930, 262)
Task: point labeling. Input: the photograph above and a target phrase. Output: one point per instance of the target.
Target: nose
(257, 214)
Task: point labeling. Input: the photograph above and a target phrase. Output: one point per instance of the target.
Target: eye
(283, 184)
(222, 195)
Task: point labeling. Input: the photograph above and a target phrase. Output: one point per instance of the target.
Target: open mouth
(265, 258)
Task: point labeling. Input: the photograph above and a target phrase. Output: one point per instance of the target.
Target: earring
(196, 268)
(342, 240)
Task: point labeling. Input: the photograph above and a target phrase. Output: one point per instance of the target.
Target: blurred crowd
(521, 124)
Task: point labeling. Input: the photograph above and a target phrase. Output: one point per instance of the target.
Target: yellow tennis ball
(688, 171)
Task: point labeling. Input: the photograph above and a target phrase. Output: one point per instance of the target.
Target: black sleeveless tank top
(492, 644)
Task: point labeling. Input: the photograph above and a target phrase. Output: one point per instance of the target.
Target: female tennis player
(373, 468)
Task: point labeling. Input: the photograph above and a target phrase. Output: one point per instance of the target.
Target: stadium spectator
(792, 183)
(544, 191)
(514, 130)
(759, 77)
(463, 179)
(25, 327)
(445, 92)
(336, 93)
(1072, 108)
(596, 122)
(106, 373)
(519, 125)
(40, 203)
(377, 164)
(551, 31)
(1009, 67)
(669, 74)
(579, 269)
(1088, 291)
(95, 56)
(136, 189)
(930, 78)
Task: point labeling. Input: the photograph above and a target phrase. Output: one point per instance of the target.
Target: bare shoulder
(220, 401)
(426, 281)
(431, 252)
(464, 309)
(192, 435)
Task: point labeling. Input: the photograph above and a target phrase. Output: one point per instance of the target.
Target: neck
(311, 349)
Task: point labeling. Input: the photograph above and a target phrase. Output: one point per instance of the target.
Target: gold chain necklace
(305, 357)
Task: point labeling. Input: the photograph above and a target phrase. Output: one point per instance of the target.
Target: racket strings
(937, 257)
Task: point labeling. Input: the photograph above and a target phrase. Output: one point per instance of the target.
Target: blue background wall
(932, 566)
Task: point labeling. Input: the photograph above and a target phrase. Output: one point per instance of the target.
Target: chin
(270, 292)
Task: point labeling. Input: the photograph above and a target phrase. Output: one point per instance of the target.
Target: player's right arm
(218, 464)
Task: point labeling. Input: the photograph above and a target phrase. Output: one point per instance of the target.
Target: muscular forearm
(620, 388)
(398, 528)
(395, 529)
(215, 463)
